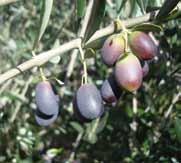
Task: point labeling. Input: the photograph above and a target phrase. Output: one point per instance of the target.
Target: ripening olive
(112, 49)
(142, 45)
(88, 102)
(110, 91)
(45, 98)
(128, 73)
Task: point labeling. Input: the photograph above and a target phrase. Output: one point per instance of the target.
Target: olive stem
(40, 68)
(125, 32)
(42, 74)
(75, 145)
(84, 65)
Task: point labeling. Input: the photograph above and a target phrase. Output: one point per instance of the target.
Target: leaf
(59, 81)
(89, 53)
(81, 5)
(177, 124)
(54, 152)
(95, 19)
(56, 59)
(96, 44)
(45, 15)
(167, 7)
(141, 5)
(77, 127)
(120, 4)
(102, 123)
(147, 27)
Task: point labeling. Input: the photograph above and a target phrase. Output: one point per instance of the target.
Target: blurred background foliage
(153, 134)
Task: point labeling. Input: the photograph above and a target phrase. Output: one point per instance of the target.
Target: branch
(5, 2)
(44, 57)
(40, 59)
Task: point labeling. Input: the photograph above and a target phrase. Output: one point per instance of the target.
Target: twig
(40, 59)
(76, 145)
(5, 2)
(174, 101)
(81, 33)
(18, 106)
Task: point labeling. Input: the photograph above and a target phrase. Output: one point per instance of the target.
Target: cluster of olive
(125, 55)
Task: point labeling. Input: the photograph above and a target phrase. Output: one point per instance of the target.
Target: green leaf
(120, 4)
(77, 127)
(167, 7)
(89, 53)
(102, 123)
(177, 124)
(81, 5)
(54, 152)
(141, 4)
(97, 14)
(56, 59)
(45, 15)
(147, 27)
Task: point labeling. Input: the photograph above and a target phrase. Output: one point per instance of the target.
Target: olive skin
(112, 49)
(128, 73)
(88, 102)
(77, 113)
(110, 91)
(45, 122)
(46, 100)
(145, 69)
(142, 45)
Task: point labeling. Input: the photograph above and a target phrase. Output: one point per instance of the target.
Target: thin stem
(84, 65)
(76, 145)
(43, 77)
(40, 68)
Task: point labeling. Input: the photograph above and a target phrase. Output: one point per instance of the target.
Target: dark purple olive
(45, 122)
(112, 49)
(128, 73)
(110, 91)
(77, 113)
(142, 45)
(45, 98)
(88, 102)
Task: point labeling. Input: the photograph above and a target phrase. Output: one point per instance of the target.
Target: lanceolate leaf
(168, 6)
(81, 5)
(95, 20)
(147, 27)
(120, 4)
(45, 15)
(177, 123)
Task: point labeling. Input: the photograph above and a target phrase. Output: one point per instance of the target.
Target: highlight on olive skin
(145, 69)
(88, 102)
(45, 98)
(112, 49)
(142, 45)
(110, 91)
(128, 73)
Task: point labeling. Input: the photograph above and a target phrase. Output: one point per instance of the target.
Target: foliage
(153, 134)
